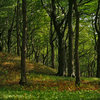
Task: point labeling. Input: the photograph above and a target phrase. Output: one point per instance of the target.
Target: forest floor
(42, 84)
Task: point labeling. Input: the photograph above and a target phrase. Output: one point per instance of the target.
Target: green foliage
(88, 8)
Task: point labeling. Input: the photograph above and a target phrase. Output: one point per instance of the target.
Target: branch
(66, 22)
(62, 9)
(84, 2)
(94, 35)
(80, 1)
(53, 15)
(62, 21)
(2, 31)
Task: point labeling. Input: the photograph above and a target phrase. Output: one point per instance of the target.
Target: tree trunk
(70, 32)
(77, 65)
(88, 68)
(36, 56)
(1, 40)
(9, 33)
(23, 63)
(9, 40)
(98, 56)
(97, 27)
(17, 27)
(61, 56)
(66, 60)
(43, 57)
(52, 45)
(52, 55)
(47, 55)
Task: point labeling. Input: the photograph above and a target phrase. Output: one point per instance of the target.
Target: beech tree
(52, 39)
(97, 27)
(17, 26)
(10, 32)
(70, 33)
(77, 65)
(23, 63)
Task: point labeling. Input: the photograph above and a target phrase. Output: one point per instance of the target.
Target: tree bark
(1, 40)
(23, 63)
(36, 56)
(47, 55)
(77, 65)
(61, 56)
(70, 32)
(9, 33)
(52, 55)
(17, 27)
(51, 44)
(98, 56)
(97, 27)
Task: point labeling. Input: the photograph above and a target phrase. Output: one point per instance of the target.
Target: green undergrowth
(49, 77)
(11, 94)
(42, 83)
(90, 79)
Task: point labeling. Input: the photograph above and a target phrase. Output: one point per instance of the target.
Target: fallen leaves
(10, 76)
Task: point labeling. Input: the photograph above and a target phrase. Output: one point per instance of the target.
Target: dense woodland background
(61, 34)
(49, 49)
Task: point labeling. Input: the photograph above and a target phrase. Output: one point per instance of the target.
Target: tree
(70, 33)
(23, 64)
(56, 12)
(60, 33)
(52, 43)
(17, 27)
(10, 33)
(77, 66)
(97, 27)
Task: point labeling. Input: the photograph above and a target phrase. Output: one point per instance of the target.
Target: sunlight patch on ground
(8, 64)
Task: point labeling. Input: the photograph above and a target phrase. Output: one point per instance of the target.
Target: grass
(48, 95)
(42, 83)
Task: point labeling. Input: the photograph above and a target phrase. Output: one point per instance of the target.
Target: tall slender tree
(77, 65)
(10, 32)
(52, 43)
(97, 27)
(70, 32)
(23, 63)
(17, 27)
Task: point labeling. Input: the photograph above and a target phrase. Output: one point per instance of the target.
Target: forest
(49, 49)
